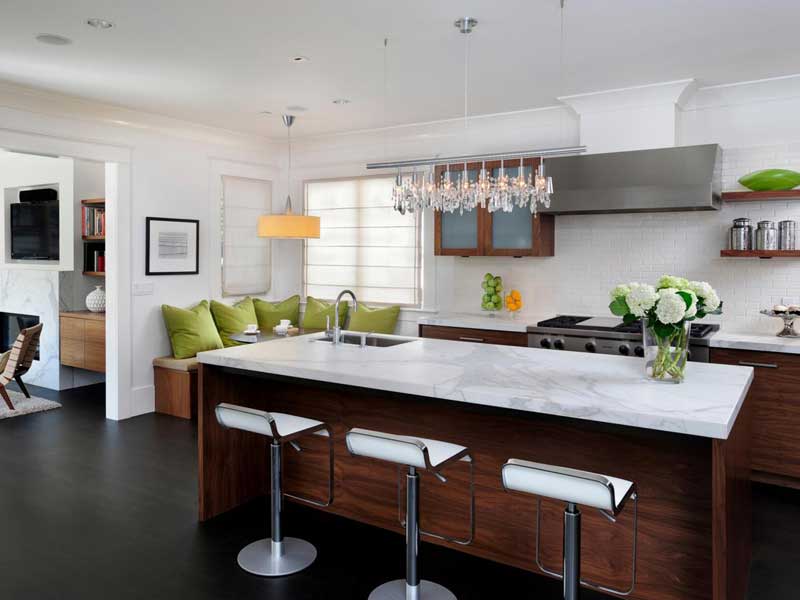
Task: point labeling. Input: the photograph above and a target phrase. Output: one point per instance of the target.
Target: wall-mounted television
(34, 231)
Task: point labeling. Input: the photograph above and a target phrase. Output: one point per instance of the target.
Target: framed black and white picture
(172, 246)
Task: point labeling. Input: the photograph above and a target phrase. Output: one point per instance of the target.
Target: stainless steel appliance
(663, 179)
(608, 335)
(741, 234)
(787, 235)
(766, 236)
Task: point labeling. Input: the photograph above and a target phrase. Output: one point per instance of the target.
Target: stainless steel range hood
(667, 179)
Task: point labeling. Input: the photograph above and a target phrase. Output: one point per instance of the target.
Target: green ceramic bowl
(770, 180)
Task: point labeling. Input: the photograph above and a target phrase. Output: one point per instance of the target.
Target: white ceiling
(222, 62)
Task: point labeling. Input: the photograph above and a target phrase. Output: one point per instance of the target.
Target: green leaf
(687, 298)
(629, 318)
(619, 307)
(664, 330)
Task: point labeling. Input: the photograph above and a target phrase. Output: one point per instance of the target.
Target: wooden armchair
(17, 361)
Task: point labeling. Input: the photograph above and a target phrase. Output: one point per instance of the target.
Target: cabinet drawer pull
(746, 363)
(471, 339)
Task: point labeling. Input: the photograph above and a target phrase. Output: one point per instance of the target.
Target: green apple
(488, 277)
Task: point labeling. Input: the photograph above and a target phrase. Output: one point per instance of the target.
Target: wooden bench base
(176, 392)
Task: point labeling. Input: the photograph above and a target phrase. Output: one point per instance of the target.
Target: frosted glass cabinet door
(513, 230)
(460, 230)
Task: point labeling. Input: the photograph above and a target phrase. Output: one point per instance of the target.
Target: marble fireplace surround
(35, 292)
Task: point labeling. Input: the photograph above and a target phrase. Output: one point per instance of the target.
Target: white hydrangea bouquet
(666, 312)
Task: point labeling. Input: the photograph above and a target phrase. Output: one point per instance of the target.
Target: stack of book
(93, 221)
(98, 258)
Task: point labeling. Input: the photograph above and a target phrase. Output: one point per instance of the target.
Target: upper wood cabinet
(481, 233)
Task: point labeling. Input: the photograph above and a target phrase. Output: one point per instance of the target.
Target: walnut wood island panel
(694, 511)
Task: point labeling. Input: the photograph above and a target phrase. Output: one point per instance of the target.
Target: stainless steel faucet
(337, 332)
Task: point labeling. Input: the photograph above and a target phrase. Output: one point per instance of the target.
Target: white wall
(170, 166)
(757, 125)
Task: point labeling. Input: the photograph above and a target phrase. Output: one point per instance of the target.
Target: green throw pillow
(317, 310)
(190, 331)
(378, 320)
(270, 314)
(233, 319)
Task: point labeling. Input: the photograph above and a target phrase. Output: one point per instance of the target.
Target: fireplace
(10, 326)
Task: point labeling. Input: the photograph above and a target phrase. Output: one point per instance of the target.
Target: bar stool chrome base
(260, 558)
(400, 590)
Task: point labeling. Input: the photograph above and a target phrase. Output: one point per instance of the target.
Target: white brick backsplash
(595, 252)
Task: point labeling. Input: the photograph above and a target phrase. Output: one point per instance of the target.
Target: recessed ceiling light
(341, 101)
(300, 59)
(99, 23)
(296, 109)
(53, 39)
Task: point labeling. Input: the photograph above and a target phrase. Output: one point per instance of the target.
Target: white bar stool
(414, 453)
(277, 556)
(607, 494)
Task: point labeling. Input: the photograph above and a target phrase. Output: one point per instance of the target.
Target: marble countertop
(607, 389)
(761, 343)
(502, 322)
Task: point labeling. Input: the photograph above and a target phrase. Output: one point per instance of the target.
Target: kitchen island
(686, 447)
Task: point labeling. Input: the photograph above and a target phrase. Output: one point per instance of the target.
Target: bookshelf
(93, 234)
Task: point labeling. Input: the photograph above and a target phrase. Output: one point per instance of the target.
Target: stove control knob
(625, 350)
(558, 344)
(591, 347)
(639, 351)
(545, 343)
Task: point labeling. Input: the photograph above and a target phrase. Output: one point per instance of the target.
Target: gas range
(608, 335)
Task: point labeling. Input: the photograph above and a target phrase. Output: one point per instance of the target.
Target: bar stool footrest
(259, 558)
(396, 590)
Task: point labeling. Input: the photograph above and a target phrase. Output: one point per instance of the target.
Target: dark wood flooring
(91, 508)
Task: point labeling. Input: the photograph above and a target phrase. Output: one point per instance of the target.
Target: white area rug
(25, 406)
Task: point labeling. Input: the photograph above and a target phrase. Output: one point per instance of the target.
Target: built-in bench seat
(176, 386)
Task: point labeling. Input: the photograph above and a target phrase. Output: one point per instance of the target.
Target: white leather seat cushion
(399, 449)
(572, 486)
(257, 421)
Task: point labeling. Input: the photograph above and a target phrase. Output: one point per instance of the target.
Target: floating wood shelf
(95, 273)
(760, 253)
(93, 202)
(93, 238)
(761, 196)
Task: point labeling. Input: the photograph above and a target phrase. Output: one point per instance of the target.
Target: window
(246, 264)
(364, 245)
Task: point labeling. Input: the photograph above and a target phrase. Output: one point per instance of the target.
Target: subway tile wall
(595, 252)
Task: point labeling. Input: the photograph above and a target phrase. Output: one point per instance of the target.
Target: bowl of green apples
(492, 299)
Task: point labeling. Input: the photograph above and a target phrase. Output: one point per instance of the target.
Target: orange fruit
(516, 295)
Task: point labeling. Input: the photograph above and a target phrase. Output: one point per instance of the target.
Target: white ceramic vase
(96, 300)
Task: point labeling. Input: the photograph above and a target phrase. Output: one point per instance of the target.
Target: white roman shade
(246, 264)
(364, 244)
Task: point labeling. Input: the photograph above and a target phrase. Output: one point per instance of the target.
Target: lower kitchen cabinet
(775, 397)
(480, 336)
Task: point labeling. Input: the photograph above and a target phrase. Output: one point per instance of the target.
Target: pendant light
(288, 226)
(456, 191)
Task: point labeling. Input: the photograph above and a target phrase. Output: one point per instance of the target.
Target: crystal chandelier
(465, 182)
(463, 190)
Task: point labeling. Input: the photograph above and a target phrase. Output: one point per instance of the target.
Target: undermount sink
(372, 340)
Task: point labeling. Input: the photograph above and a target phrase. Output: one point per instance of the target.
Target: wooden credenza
(83, 340)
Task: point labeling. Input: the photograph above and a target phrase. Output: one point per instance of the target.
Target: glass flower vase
(665, 356)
